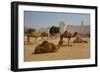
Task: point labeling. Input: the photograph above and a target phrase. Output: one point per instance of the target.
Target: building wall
(83, 30)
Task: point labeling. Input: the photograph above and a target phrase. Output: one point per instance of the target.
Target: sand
(76, 51)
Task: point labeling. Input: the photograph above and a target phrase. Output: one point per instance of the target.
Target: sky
(37, 19)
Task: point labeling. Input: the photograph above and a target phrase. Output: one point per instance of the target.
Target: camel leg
(35, 39)
(50, 36)
(28, 39)
(47, 37)
(68, 42)
(42, 37)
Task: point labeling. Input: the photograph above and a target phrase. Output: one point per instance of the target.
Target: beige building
(83, 30)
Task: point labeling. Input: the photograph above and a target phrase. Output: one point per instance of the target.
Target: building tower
(82, 23)
(63, 27)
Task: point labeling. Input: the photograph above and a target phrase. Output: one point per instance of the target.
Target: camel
(36, 35)
(45, 47)
(32, 35)
(79, 40)
(68, 35)
(60, 43)
(44, 34)
(53, 35)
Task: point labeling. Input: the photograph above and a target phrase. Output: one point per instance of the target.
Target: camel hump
(66, 32)
(52, 47)
(44, 42)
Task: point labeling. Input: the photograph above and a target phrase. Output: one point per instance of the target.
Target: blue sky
(37, 19)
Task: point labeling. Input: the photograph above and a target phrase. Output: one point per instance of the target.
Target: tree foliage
(54, 29)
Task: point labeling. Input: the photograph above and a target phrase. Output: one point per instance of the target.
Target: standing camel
(32, 35)
(36, 35)
(44, 34)
(68, 35)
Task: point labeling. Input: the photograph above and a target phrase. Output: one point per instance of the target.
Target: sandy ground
(76, 51)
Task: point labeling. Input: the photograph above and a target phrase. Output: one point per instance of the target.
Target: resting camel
(79, 40)
(60, 43)
(45, 47)
(36, 35)
(68, 35)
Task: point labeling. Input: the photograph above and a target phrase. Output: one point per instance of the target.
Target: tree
(54, 29)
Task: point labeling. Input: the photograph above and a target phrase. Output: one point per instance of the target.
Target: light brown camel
(68, 35)
(36, 35)
(79, 40)
(32, 35)
(45, 47)
(53, 35)
(44, 34)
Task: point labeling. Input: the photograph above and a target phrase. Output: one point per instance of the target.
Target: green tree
(54, 29)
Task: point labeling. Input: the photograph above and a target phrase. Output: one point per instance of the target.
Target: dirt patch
(76, 51)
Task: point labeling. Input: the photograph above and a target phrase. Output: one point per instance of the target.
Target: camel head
(75, 33)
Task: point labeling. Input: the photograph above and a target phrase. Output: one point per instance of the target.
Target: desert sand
(76, 51)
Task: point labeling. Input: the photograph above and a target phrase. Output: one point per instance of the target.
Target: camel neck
(74, 35)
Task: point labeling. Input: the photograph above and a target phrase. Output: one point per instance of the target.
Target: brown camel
(44, 34)
(45, 47)
(60, 43)
(79, 40)
(68, 35)
(53, 35)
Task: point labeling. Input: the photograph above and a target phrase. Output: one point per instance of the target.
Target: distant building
(83, 30)
(63, 27)
(44, 30)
